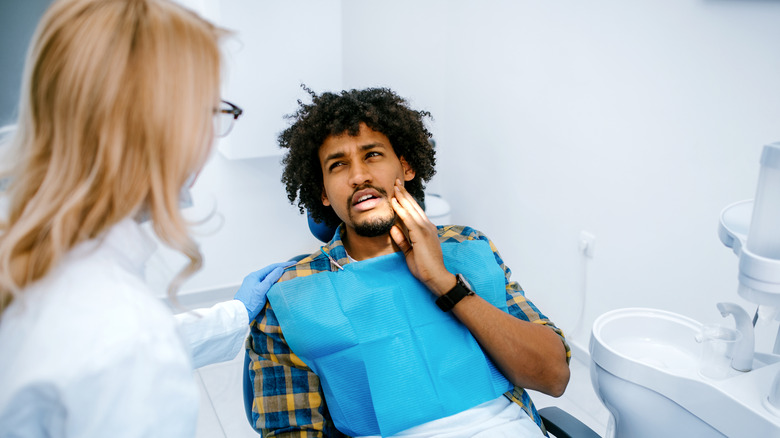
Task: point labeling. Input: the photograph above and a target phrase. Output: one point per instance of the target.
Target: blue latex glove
(255, 286)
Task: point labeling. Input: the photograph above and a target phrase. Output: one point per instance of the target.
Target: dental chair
(558, 422)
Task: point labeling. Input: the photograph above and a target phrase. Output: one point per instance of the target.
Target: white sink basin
(659, 339)
(657, 350)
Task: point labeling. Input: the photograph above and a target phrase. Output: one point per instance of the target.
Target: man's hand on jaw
(421, 248)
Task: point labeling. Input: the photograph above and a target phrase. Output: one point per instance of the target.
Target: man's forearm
(530, 355)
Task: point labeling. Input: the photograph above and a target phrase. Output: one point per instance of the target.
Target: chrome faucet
(743, 353)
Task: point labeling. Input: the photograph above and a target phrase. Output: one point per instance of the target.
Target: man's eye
(335, 165)
(373, 154)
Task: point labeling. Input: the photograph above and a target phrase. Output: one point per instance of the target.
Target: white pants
(499, 418)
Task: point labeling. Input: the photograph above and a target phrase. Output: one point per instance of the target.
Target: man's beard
(375, 227)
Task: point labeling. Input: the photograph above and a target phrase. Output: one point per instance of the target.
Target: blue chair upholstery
(320, 230)
(249, 391)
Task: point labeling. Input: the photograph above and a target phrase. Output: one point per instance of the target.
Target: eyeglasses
(225, 117)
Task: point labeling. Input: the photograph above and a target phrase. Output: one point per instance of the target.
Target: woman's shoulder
(91, 303)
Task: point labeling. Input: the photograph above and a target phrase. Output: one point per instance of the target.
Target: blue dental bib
(387, 357)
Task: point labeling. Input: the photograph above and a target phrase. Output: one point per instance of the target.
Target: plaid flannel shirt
(288, 398)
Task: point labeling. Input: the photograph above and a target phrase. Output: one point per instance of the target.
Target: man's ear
(325, 200)
(409, 173)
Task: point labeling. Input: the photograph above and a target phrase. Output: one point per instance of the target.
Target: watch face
(465, 282)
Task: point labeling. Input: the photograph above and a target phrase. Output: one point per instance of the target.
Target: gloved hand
(255, 286)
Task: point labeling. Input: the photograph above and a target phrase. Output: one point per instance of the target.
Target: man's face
(359, 174)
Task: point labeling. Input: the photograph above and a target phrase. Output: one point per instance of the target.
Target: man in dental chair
(396, 327)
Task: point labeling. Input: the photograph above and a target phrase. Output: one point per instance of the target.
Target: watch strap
(447, 301)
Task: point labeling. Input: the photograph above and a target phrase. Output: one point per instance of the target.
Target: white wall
(272, 49)
(277, 46)
(635, 121)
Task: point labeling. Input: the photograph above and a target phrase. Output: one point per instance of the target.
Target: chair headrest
(320, 230)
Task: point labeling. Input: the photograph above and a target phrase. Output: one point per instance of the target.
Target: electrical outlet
(587, 244)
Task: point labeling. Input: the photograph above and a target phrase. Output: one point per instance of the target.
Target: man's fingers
(411, 201)
(402, 212)
(400, 239)
(411, 207)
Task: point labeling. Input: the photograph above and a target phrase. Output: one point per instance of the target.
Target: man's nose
(359, 174)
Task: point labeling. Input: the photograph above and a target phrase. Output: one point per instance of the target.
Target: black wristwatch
(462, 289)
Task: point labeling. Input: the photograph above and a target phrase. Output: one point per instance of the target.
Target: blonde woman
(116, 115)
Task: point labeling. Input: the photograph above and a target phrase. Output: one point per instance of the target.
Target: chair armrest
(563, 425)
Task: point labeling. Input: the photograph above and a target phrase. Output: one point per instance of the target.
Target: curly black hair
(335, 114)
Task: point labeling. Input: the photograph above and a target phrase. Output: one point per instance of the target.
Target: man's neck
(363, 248)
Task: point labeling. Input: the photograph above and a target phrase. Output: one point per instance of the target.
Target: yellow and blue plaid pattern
(288, 398)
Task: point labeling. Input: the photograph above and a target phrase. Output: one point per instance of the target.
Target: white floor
(222, 406)
(222, 401)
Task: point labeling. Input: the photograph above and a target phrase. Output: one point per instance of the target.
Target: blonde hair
(115, 115)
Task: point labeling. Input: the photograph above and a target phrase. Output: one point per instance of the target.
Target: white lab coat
(89, 351)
